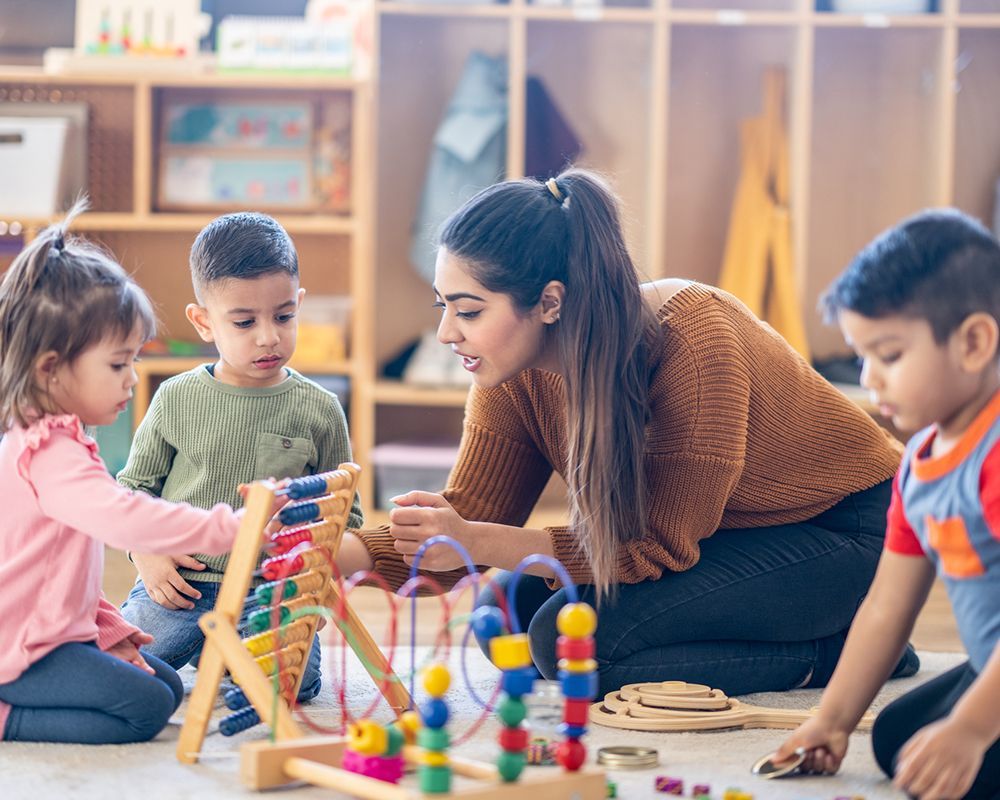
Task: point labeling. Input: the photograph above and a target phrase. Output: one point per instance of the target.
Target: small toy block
(669, 785)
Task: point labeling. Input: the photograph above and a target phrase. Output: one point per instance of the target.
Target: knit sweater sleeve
(498, 477)
(696, 444)
(150, 456)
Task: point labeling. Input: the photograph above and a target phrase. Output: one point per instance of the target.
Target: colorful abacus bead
(668, 785)
(578, 678)
(511, 654)
(434, 770)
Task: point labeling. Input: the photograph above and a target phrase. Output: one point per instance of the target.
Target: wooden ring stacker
(680, 706)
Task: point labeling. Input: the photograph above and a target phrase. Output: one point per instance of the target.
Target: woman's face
(494, 339)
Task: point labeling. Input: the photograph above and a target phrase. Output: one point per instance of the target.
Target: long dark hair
(517, 236)
(60, 294)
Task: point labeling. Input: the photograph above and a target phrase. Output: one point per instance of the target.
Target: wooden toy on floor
(680, 706)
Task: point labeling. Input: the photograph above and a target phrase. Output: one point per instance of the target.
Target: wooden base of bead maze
(224, 649)
(316, 761)
(680, 706)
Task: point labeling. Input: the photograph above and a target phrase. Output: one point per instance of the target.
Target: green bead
(613, 789)
(434, 780)
(511, 765)
(436, 739)
(511, 712)
(396, 740)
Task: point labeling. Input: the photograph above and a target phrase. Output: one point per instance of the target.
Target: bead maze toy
(369, 761)
(301, 585)
(680, 706)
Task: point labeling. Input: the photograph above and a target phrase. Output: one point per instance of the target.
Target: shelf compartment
(397, 393)
(879, 124)
(726, 6)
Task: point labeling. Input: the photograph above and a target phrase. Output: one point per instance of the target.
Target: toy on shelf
(139, 27)
(368, 761)
(302, 567)
(680, 706)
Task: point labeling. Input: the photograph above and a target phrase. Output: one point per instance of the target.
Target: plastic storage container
(402, 467)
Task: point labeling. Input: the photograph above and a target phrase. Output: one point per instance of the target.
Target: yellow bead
(576, 620)
(409, 724)
(431, 759)
(578, 664)
(437, 679)
(367, 737)
(511, 651)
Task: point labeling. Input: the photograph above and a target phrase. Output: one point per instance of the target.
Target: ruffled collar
(39, 432)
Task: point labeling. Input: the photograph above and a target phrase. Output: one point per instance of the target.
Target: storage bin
(32, 150)
(402, 467)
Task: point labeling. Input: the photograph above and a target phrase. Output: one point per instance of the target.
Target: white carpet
(722, 759)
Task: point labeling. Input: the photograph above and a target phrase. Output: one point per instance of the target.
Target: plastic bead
(261, 620)
(436, 739)
(575, 649)
(577, 664)
(430, 758)
(266, 592)
(240, 721)
(612, 789)
(235, 699)
(510, 651)
(409, 724)
(395, 739)
(576, 620)
(518, 682)
(514, 740)
(511, 765)
(487, 622)
(572, 731)
(571, 754)
(367, 737)
(434, 780)
(578, 685)
(511, 711)
(434, 712)
(309, 486)
(576, 712)
(436, 680)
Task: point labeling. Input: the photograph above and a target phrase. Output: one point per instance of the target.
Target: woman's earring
(555, 318)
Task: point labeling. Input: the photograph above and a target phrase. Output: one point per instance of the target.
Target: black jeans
(764, 609)
(928, 703)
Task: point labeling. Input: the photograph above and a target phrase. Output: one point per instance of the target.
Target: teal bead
(511, 711)
(434, 780)
(436, 739)
(511, 765)
(396, 740)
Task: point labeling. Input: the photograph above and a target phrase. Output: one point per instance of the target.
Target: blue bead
(235, 700)
(299, 512)
(240, 721)
(434, 712)
(578, 685)
(572, 731)
(518, 682)
(487, 622)
(309, 486)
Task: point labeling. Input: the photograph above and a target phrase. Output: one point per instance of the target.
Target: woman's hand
(422, 515)
(128, 650)
(825, 746)
(940, 761)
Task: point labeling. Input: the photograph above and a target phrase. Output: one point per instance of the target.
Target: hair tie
(57, 246)
(553, 187)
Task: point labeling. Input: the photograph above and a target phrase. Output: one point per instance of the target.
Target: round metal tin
(625, 757)
(766, 768)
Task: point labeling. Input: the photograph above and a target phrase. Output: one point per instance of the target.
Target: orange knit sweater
(743, 433)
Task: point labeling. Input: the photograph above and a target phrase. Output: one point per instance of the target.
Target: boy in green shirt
(243, 418)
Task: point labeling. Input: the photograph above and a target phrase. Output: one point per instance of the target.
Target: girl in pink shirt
(71, 668)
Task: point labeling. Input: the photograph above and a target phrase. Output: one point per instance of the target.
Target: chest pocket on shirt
(282, 456)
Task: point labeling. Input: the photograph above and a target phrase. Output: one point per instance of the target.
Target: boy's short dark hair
(241, 245)
(939, 265)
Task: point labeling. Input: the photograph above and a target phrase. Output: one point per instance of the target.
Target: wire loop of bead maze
(290, 756)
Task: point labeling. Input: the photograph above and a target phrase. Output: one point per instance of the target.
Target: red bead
(571, 754)
(575, 712)
(575, 649)
(514, 740)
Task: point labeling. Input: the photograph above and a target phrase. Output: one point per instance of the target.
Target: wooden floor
(935, 628)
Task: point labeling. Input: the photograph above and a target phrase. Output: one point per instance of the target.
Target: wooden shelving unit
(887, 114)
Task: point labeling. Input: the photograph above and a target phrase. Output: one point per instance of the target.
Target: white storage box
(402, 467)
(31, 161)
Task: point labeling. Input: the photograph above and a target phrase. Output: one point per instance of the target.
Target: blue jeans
(178, 639)
(78, 693)
(764, 609)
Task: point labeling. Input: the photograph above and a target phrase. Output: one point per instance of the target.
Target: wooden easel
(224, 649)
(757, 264)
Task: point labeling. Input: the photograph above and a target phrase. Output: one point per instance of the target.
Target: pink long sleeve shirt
(61, 507)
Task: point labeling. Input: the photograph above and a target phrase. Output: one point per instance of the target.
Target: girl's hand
(825, 746)
(422, 515)
(163, 582)
(940, 761)
(128, 650)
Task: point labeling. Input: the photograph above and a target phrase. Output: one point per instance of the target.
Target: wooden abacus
(318, 525)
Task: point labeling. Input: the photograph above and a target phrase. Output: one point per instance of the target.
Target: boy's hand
(940, 761)
(825, 746)
(128, 650)
(163, 582)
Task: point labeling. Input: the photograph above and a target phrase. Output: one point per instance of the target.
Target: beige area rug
(150, 772)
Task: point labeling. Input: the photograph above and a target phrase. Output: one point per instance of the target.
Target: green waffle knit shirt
(202, 438)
